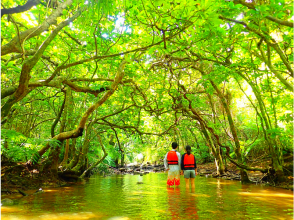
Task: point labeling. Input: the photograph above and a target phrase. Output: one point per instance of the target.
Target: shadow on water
(146, 197)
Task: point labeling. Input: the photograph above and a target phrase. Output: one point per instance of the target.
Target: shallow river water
(122, 198)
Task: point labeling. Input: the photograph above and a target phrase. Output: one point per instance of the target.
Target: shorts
(189, 174)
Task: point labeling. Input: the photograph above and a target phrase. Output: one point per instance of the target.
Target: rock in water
(122, 169)
(139, 182)
(119, 218)
(6, 202)
(39, 191)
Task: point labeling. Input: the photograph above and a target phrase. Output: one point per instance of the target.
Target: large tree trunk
(122, 161)
(215, 149)
(53, 160)
(65, 158)
(85, 147)
(220, 168)
(73, 162)
(274, 149)
(97, 162)
(244, 176)
(72, 149)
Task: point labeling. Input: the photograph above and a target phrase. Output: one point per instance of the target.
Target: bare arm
(165, 162)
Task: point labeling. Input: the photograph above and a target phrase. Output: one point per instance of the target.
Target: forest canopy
(89, 81)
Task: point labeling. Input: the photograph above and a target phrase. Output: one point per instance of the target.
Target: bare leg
(192, 183)
(187, 183)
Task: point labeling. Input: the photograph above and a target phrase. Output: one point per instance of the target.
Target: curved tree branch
(20, 8)
(57, 118)
(13, 45)
(23, 89)
(80, 128)
(250, 5)
(98, 161)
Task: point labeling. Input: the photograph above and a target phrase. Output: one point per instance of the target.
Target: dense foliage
(91, 81)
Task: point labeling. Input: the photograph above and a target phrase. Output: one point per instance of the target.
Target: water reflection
(174, 202)
(190, 204)
(121, 197)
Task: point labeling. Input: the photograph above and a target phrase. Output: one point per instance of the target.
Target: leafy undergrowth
(19, 176)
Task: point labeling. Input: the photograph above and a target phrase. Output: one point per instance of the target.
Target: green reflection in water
(121, 198)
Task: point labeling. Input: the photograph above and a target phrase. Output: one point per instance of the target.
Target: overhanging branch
(20, 8)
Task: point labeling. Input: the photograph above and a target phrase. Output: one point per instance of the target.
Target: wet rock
(122, 169)
(203, 171)
(130, 164)
(146, 172)
(141, 174)
(235, 178)
(7, 202)
(136, 172)
(39, 191)
(214, 175)
(138, 169)
(139, 182)
(155, 169)
(119, 218)
(225, 178)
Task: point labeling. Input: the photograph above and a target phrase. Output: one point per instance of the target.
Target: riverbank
(232, 172)
(15, 184)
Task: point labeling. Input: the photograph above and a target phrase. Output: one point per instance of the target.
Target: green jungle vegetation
(89, 83)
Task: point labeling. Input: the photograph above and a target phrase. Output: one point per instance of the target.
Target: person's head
(174, 145)
(188, 149)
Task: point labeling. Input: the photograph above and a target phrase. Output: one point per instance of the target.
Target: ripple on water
(121, 198)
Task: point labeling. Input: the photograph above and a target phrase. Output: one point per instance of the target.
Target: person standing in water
(172, 161)
(188, 165)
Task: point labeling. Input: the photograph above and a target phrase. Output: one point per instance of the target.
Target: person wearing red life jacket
(172, 161)
(189, 167)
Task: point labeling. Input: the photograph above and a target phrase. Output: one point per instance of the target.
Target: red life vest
(172, 158)
(189, 161)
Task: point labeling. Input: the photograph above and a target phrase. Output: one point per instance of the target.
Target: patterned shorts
(173, 178)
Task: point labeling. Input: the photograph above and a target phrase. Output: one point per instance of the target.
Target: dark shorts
(189, 174)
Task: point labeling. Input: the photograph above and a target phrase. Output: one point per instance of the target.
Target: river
(120, 197)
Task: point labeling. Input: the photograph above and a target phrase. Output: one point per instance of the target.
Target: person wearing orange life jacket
(189, 167)
(172, 161)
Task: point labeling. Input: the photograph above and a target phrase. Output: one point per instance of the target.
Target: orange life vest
(189, 161)
(172, 158)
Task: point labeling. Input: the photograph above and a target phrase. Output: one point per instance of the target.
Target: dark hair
(174, 145)
(188, 149)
